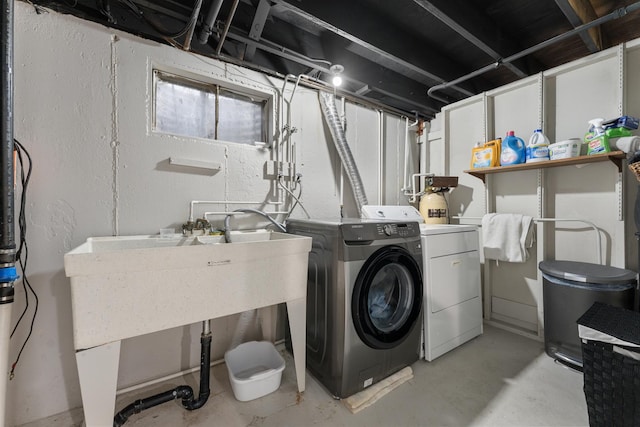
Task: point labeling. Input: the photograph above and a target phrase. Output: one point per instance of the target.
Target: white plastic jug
(538, 147)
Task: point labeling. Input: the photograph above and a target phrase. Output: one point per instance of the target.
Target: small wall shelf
(615, 156)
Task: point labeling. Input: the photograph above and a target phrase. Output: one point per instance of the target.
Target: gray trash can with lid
(569, 289)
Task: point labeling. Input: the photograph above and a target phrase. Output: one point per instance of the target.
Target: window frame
(263, 99)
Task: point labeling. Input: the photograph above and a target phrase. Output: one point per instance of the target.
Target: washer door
(387, 297)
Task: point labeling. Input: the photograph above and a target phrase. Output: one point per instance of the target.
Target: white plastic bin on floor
(255, 369)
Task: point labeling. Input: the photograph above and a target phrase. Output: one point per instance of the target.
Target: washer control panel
(365, 231)
(399, 229)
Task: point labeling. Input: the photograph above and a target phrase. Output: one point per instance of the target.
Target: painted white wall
(82, 102)
(631, 183)
(560, 101)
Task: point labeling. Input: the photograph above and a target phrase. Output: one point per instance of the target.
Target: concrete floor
(497, 379)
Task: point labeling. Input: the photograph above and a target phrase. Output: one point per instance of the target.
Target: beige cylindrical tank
(433, 207)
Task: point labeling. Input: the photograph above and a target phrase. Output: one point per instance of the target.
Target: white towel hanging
(504, 236)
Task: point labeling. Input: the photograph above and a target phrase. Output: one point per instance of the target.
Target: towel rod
(592, 225)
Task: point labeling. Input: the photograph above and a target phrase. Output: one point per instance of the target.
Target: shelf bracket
(480, 176)
(618, 162)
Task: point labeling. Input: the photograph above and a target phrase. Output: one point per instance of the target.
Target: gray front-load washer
(364, 300)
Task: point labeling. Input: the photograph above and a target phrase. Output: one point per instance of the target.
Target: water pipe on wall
(224, 202)
(283, 122)
(407, 151)
(413, 193)
(227, 222)
(285, 148)
(8, 274)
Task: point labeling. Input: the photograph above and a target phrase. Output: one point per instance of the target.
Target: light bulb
(336, 70)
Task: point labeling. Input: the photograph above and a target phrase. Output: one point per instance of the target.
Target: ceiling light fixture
(336, 70)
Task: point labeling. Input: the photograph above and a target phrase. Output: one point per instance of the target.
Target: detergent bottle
(513, 150)
(538, 148)
(486, 155)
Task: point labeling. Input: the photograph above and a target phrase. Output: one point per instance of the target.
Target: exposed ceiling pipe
(618, 13)
(592, 39)
(227, 25)
(466, 34)
(192, 26)
(298, 58)
(389, 60)
(209, 23)
(193, 19)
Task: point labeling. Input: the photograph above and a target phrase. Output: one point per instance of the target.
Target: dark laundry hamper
(611, 365)
(569, 289)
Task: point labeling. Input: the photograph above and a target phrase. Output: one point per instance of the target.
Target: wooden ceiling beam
(580, 12)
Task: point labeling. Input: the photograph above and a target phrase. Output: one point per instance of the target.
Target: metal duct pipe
(330, 112)
(618, 13)
(209, 23)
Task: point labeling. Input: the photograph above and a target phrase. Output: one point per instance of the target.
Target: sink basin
(122, 287)
(107, 244)
(132, 285)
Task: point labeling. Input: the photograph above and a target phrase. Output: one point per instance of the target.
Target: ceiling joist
(372, 51)
(474, 28)
(580, 12)
(259, 19)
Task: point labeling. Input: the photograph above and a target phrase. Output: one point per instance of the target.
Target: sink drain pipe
(183, 392)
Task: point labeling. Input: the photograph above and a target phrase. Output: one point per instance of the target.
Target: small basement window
(191, 108)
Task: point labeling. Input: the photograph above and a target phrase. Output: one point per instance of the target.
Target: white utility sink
(122, 287)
